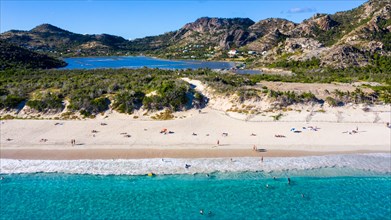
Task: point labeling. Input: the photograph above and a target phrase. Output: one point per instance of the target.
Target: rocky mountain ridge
(340, 40)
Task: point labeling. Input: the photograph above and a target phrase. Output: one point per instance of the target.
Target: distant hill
(12, 56)
(50, 39)
(351, 38)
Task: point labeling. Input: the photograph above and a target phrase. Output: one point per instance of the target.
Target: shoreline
(103, 154)
(317, 165)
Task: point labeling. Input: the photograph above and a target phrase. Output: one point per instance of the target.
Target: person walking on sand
(254, 148)
(218, 142)
(262, 159)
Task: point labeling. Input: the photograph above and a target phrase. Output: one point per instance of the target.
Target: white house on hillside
(232, 52)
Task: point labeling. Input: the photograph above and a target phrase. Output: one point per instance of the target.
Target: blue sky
(133, 19)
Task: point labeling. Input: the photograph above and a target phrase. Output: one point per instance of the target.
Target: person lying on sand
(279, 136)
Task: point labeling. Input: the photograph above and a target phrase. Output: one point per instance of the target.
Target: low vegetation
(90, 92)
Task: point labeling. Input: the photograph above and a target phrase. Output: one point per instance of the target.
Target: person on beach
(254, 148)
(262, 159)
(218, 142)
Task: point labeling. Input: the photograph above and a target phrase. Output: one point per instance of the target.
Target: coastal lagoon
(134, 62)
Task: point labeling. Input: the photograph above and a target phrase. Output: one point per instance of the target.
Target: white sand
(334, 133)
(209, 126)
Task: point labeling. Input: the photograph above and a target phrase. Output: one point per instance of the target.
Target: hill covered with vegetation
(55, 41)
(354, 38)
(12, 56)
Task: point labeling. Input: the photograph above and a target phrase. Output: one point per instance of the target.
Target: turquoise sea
(362, 195)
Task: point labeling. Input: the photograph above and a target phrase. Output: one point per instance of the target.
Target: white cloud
(300, 10)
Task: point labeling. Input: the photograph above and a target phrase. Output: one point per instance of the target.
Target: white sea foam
(378, 162)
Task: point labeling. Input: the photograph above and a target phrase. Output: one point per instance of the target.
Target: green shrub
(10, 101)
(331, 101)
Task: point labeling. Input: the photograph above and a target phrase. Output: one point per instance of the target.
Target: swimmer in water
(201, 211)
(289, 180)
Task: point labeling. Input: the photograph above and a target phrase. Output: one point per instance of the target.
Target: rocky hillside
(50, 39)
(341, 40)
(12, 56)
(225, 33)
(351, 38)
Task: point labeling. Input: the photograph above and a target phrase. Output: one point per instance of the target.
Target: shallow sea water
(329, 193)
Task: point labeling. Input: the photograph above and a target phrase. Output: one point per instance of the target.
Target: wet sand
(79, 154)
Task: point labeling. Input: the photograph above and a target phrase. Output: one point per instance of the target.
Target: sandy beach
(198, 135)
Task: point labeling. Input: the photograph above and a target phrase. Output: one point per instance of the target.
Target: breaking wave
(376, 162)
